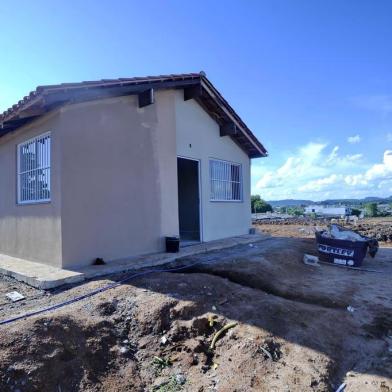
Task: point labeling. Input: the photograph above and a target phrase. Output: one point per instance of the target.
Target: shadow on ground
(293, 330)
(267, 286)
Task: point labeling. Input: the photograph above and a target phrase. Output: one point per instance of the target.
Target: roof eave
(46, 98)
(233, 116)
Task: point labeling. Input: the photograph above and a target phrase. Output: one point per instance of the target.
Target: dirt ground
(379, 228)
(293, 331)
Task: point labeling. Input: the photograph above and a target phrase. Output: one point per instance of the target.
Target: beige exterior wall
(114, 181)
(30, 231)
(198, 138)
(119, 178)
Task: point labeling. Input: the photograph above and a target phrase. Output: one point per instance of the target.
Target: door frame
(200, 194)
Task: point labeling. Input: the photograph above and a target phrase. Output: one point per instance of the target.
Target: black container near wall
(172, 244)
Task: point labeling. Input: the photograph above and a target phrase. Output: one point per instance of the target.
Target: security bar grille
(226, 181)
(34, 170)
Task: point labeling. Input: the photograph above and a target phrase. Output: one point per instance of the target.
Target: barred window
(226, 181)
(34, 170)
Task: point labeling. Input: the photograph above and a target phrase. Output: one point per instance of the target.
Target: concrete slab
(46, 277)
(38, 275)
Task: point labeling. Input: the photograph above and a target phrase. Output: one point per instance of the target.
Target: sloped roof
(49, 97)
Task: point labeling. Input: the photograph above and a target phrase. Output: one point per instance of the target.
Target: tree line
(259, 205)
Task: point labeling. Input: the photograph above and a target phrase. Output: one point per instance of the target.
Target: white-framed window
(34, 170)
(226, 181)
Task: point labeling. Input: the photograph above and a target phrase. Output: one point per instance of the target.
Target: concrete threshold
(45, 277)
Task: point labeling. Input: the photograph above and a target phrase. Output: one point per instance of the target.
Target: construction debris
(266, 352)
(124, 350)
(220, 332)
(340, 233)
(15, 296)
(180, 379)
(291, 220)
(310, 259)
(380, 229)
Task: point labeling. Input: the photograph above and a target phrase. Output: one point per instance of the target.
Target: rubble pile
(305, 221)
(380, 232)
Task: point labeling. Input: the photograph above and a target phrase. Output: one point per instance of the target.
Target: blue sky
(312, 79)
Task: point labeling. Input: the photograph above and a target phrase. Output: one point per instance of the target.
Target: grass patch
(171, 386)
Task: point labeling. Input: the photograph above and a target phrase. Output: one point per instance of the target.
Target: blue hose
(97, 291)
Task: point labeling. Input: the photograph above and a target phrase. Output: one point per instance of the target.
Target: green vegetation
(371, 209)
(259, 205)
(370, 206)
(171, 386)
(356, 212)
(296, 211)
(160, 364)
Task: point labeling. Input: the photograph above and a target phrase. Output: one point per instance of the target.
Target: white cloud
(385, 183)
(333, 158)
(266, 181)
(354, 157)
(354, 139)
(321, 183)
(295, 167)
(318, 171)
(378, 171)
(333, 155)
(310, 162)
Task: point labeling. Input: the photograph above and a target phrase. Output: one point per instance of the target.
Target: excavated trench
(178, 307)
(338, 367)
(257, 283)
(66, 344)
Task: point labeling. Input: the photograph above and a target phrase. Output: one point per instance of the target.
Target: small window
(34, 170)
(226, 181)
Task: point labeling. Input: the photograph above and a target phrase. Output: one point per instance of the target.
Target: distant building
(384, 208)
(328, 211)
